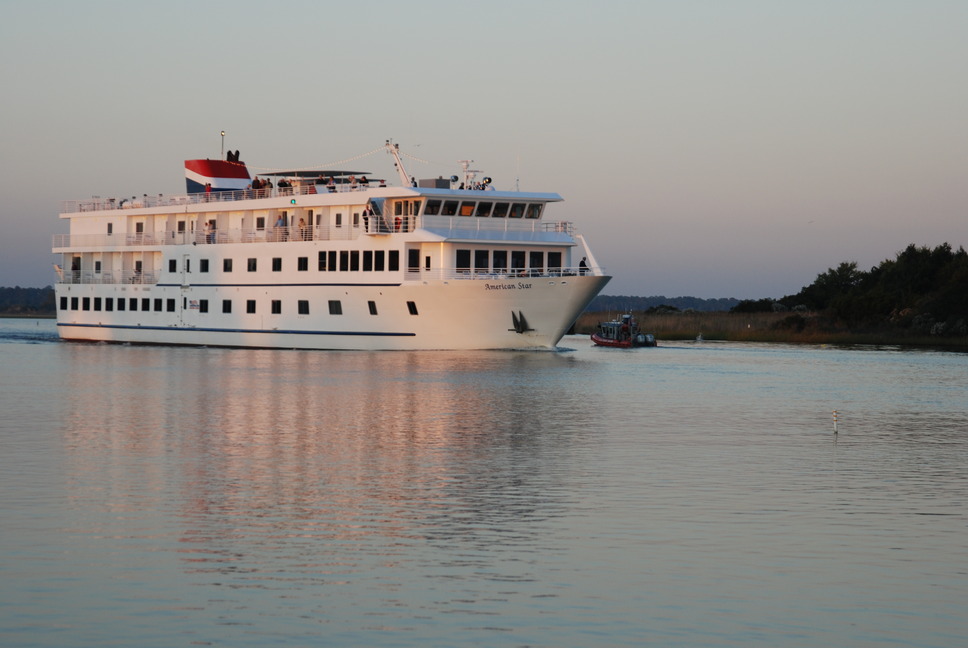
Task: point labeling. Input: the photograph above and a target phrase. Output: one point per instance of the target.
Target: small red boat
(623, 333)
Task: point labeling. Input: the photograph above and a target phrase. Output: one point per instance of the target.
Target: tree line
(27, 301)
(922, 290)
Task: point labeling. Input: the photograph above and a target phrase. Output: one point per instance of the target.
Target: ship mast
(394, 150)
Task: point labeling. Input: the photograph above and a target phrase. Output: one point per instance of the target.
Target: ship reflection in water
(324, 469)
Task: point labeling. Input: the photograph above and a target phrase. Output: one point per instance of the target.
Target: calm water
(688, 495)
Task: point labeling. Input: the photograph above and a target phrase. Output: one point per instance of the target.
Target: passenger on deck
(279, 231)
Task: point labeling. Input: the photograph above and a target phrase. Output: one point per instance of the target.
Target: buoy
(835, 421)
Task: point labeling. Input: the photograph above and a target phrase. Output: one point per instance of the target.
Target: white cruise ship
(323, 260)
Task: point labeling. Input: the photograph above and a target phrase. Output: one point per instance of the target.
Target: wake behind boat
(323, 259)
(622, 333)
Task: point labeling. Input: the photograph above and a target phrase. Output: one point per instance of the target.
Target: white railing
(97, 203)
(148, 239)
(116, 277)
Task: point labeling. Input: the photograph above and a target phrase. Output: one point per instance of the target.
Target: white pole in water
(835, 421)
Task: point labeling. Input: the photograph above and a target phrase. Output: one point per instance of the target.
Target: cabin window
(339, 220)
(412, 307)
(202, 305)
(517, 210)
(432, 208)
(554, 261)
(252, 265)
(302, 264)
(484, 209)
(74, 301)
(226, 265)
(109, 303)
(146, 304)
(121, 303)
(344, 260)
(356, 219)
(355, 261)
(158, 304)
(500, 259)
(536, 261)
(97, 303)
(517, 260)
(277, 307)
(450, 207)
(372, 305)
(332, 261)
(482, 260)
(500, 210)
(534, 210)
(277, 264)
(393, 260)
(335, 307)
(463, 262)
(97, 267)
(378, 259)
(110, 228)
(86, 304)
(322, 261)
(203, 265)
(170, 305)
(226, 305)
(63, 303)
(133, 304)
(367, 260)
(303, 306)
(260, 223)
(250, 306)
(413, 260)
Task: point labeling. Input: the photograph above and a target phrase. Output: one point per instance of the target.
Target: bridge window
(482, 260)
(500, 260)
(466, 208)
(432, 208)
(463, 260)
(500, 210)
(484, 209)
(450, 207)
(517, 210)
(534, 210)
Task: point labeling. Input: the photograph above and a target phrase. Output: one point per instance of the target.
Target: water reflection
(264, 450)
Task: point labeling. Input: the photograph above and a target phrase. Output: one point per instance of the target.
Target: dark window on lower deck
(412, 307)
(335, 307)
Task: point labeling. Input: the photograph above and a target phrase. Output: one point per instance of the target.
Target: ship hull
(503, 313)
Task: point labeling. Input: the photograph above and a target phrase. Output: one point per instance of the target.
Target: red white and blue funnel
(221, 174)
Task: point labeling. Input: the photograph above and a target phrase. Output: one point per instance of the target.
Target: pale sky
(704, 148)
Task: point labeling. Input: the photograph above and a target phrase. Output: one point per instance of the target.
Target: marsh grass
(791, 328)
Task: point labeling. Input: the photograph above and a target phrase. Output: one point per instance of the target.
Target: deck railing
(96, 203)
(412, 274)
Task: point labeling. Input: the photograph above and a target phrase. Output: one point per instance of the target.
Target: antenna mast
(394, 150)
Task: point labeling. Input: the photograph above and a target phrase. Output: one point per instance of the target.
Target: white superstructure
(330, 262)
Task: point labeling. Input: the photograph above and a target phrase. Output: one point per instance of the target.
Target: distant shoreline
(780, 328)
